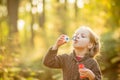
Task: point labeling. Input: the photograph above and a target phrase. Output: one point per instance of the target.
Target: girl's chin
(76, 46)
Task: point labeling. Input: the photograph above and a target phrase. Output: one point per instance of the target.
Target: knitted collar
(73, 55)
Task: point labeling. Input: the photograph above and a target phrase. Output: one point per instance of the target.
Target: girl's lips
(75, 42)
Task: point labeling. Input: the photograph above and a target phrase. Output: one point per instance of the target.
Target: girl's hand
(87, 73)
(60, 41)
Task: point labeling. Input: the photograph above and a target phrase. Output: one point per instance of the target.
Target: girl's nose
(74, 38)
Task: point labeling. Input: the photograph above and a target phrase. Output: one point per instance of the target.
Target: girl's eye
(83, 36)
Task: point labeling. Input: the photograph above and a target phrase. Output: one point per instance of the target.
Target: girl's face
(81, 38)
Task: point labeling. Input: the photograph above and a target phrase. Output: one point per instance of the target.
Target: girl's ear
(90, 45)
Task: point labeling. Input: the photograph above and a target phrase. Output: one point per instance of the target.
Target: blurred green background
(29, 27)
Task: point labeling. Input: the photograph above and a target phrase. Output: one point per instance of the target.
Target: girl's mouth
(75, 42)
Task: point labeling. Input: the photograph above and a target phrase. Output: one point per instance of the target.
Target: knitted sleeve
(53, 60)
(96, 70)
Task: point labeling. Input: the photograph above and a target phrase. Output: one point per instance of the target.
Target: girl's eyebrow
(83, 34)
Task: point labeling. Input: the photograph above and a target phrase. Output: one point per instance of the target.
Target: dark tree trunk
(42, 16)
(32, 31)
(65, 6)
(12, 6)
(76, 9)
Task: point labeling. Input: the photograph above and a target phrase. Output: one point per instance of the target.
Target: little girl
(86, 45)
